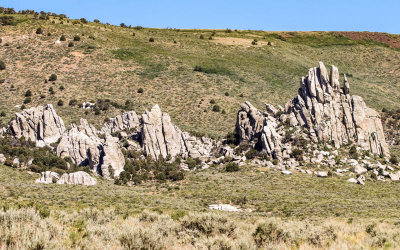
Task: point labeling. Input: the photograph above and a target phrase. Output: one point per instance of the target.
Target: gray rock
(39, 124)
(352, 180)
(360, 170)
(48, 177)
(331, 114)
(126, 121)
(77, 178)
(286, 172)
(322, 174)
(2, 159)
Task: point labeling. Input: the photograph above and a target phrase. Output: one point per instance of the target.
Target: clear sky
(278, 15)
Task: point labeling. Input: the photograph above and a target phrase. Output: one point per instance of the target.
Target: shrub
(27, 100)
(3, 113)
(353, 152)
(140, 90)
(7, 20)
(193, 162)
(62, 38)
(123, 25)
(28, 93)
(201, 36)
(42, 96)
(151, 40)
(39, 31)
(226, 94)
(251, 154)
(216, 108)
(212, 101)
(70, 44)
(83, 20)
(53, 77)
(209, 224)
(228, 31)
(231, 167)
(2, 65)
(394, 159)
(96, 20)
(77, 38)
(73, 102)
(232, 138)
(61, 87)
(60, 103)
(254, 42)
(266, 233)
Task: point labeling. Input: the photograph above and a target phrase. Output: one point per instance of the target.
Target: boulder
(286, 172)
(331, 114)
(352, 180)
(2, 159)
(161, 138)
(126, 121)
(85, 147)
(224, 207)
(322, 174)
(77, 178)
(39, 124)
(360, 170)
(48, 177)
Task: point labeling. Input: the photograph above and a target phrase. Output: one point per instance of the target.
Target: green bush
(83, 20)
(231, 167)
(140, 90)
(251, 154)
(266, 233)
(77, 38)
(28, 93)
(60, 103)
(73, 102)
(53, 77)
(27, 100)
(394, 159)
(62, 38)
(151, 39)
(70, 44)
(39, 31)
(96, 21)
(216, 108)
(2, 65)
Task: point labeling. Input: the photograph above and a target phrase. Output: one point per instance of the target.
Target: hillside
(182, 70)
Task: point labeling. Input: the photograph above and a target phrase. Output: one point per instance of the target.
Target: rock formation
(85, 147)
(48, 177)
(77, 178)
(160, 137)
(39, 124)
(126, 121)
(331, 114)
(251, 124)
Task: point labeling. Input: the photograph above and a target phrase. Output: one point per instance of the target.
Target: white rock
(48, 177)
(224, 207)
(286, 172)
(352, 180)
(322, 174)
(77, 178)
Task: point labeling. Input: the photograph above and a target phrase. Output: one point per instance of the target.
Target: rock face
(48, 177)
(126, 121)
(39, 124)
(331, 114)
(251, 124)
(160, 137)
(77, 178)
(85, 147)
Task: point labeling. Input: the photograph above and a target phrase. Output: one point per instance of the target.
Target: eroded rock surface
(160, 137)
(39, 124)
(48, 177)
(77, 178)
(331, 114)
(126, 121)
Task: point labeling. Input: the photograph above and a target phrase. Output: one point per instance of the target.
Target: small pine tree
(77, 38)
(53, 77)
(39, 31)
(2, 65)
(70, 44)
(151, 40)
(28, 93)
(60, 103)
(62, 38)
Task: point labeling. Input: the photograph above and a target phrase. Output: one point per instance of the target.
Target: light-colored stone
(322, 174)
(39, 124)
(224, 207)
(352, 180)
(126, 121)
(2, 159)
(332, 115)
(286, 172)
(77, 178)
(48, 177)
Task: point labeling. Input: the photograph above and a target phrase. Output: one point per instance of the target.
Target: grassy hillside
(110, 62)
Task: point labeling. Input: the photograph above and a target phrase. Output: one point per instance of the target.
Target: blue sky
(283, 15)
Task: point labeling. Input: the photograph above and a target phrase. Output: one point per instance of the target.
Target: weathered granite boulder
(39, 124)
(85, 147)
(126, 121)
(2, 159)
(77, 178)
(160, 138)
(112, 157)
(331, 114)
(251, 124)
(48, 177)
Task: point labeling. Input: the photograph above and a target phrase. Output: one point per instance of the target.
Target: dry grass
(116, 64)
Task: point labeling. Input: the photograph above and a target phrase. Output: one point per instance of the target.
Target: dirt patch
(234, 41)
(390, 39)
